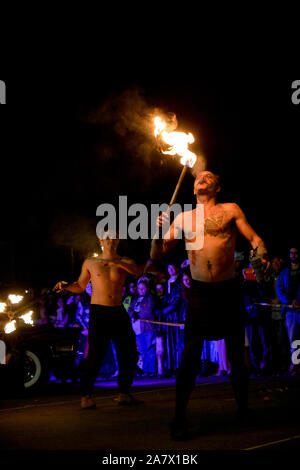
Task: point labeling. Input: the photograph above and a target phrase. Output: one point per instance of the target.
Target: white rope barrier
(276, 305)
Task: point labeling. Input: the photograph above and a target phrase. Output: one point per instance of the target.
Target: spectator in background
(60, 319)
(279, 337)
(142, 308)
(258, 327)
(288, 290)
(75, 311)
(50, 307)
(170, 313)
(224, 364)
(239, 260)
(160, 331)
(186, 281)
(132, 288)
(128, 294)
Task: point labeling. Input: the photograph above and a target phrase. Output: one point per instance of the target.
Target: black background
(58, 165)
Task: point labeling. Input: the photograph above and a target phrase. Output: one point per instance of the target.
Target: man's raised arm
(131, 267)
(160, 246)
(247, 231)
(77, 287)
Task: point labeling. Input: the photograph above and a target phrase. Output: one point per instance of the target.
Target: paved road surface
(54, 421)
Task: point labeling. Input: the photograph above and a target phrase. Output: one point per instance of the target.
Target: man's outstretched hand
(60, 286)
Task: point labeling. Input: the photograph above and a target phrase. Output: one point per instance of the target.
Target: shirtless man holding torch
(215, 305)
(108, 318)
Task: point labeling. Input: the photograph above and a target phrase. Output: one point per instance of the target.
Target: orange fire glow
(178, 142)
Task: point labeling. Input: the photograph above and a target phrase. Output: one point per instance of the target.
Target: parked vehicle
(33, 351)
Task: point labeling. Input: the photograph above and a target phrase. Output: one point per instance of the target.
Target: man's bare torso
(215, 261)
(107, 281)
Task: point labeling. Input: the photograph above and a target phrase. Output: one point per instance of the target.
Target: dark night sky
(69, 144)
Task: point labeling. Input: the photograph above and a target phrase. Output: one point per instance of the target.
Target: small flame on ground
(178, 142)
(95, 255)
(2, 307)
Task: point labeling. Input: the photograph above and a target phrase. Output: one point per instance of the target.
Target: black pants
(106, 324)
(214, 311)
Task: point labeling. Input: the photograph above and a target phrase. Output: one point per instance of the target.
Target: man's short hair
(111, 234)
(143, 280)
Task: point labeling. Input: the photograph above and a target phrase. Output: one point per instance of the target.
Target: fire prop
(15, 299)
(177, 143)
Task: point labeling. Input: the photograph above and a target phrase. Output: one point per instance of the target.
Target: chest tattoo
(216, 226)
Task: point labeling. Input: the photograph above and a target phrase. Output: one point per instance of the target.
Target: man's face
(205, 183)
(172, 270)
(159, 289)
(294, 255)
(132, 288)
(109, 243)
(142, 289)
(186, 281)
(277, 264)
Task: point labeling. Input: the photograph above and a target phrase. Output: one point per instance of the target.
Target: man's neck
(206, 199)
(108, 254)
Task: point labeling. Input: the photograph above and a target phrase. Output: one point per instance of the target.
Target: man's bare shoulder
(231, 208)
(89, 263)
(125, 259)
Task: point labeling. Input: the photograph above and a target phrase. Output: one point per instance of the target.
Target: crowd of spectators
(156, 304)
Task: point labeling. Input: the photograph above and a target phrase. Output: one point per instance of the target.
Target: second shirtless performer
(108, 319)
(215, 306)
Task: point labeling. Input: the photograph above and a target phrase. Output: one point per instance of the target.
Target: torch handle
(174, 197)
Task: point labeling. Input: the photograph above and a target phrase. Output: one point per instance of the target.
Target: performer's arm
(247, 231)
(159, 247)
(77, 287)
(130, 266)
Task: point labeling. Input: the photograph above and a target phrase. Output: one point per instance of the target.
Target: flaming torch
(177, 144)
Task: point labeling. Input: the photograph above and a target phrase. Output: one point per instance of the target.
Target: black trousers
(106, 324)
(214, 311)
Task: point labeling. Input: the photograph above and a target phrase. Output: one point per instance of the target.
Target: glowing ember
(2, 307)
(178, 142)
(95, 255)
(15, 299)
(27, 318)
(10, 327)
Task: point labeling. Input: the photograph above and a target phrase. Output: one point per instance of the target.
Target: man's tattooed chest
(218, 225)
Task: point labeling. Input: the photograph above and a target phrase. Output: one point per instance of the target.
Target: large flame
(10, 327)
(27, 318)
(15, 299)
(178, 142)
